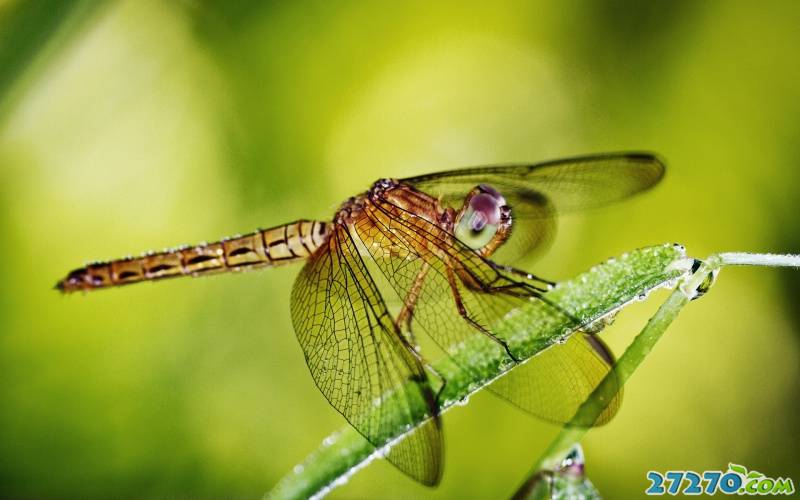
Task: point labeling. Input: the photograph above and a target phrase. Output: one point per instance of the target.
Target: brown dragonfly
(412, 256)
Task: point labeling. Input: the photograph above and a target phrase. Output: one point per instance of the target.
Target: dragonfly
(433, 256)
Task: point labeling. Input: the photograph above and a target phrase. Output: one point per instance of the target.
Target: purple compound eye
(487, 189)
(481, 217)
(486, 210)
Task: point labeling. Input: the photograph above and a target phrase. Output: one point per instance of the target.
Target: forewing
(570, 184)
(360, 362)
(554, 383)
(538, 192)
(403, 245)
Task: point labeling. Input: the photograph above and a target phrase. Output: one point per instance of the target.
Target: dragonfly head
(484, 221)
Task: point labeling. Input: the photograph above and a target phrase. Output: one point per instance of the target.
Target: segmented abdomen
(264, 248)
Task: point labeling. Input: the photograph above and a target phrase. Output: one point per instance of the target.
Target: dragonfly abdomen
(264, 248)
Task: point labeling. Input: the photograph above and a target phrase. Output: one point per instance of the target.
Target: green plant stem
(759, 259)
(689, 287)
(626, 365)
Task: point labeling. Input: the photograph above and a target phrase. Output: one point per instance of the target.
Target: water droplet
(298, 469)
(573, 462)
(462, 402)
(706, 285)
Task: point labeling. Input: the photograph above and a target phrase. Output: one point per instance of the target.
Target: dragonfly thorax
(408, 199)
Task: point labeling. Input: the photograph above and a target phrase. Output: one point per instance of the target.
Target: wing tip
(654, 160)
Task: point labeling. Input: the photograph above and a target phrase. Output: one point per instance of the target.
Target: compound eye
(480, 221)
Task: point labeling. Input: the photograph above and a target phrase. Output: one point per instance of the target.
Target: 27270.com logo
(737, 480)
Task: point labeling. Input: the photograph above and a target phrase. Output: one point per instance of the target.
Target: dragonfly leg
(435, 373)
(462, 311)
(406, 314)
(440, 391)
(531, 291)
(411, 344)
(524, 274)
(405, 317)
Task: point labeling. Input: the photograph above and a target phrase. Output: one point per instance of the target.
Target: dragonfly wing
(445, 308)
(554, 383)
(538, 192)
(577, 183)
(360, 362)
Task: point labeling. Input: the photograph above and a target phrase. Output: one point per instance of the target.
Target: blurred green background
(135, 125)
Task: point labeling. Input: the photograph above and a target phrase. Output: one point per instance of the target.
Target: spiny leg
(433, 370)
(406, 316)
(462, 311)
(513, 288)
(520, 272)
(525, 290)
(531, 291)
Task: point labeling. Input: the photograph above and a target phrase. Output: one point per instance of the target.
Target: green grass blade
(589, 297)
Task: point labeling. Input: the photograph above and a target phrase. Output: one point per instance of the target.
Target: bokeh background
(135, 125)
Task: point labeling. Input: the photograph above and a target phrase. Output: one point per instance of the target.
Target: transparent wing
(409, 250)
(569, 184)
(360, 362)
(555, 382)
(538, 192)
(426, 267)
